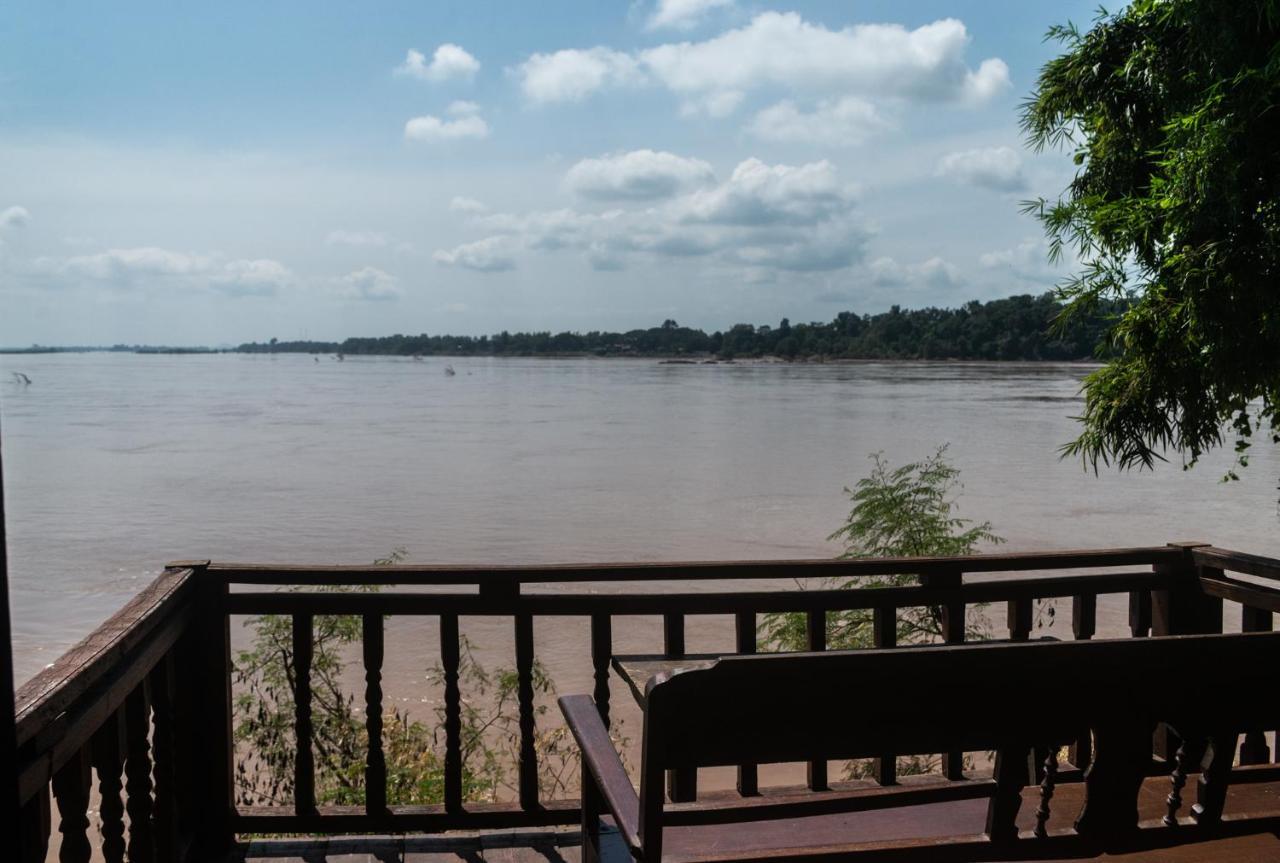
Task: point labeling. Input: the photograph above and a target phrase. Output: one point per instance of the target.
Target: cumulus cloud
(466, 123)
(761, 194)
(573, 74)
(369, 283)
(448, 62)
(340, 237)
(14, 217)
(996, 168)
(840, 122)
(781, 51)
(461, 204)
(490, 255)
(682, 14)
(153, 267)
(763, 218)
(637, 175)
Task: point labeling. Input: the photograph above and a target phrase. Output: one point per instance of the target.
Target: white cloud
(682, 14)
(834, 123)
(573, 74)
(783, 50)
(997, 168)
(637, 175)
(152, 267)
(780, 51)
(461, 204)
(761, 194)
(369, 283)
(449, 61)
(340, 237)
(14, 217)
(490, 255)
(467, 124)
(764, 217)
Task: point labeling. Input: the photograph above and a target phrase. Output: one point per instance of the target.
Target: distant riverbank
(1025, 328)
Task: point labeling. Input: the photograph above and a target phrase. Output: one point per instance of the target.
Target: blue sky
(212, 173)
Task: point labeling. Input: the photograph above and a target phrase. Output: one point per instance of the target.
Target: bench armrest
(599, 756)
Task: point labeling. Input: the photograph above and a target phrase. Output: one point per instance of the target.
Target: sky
(191, 173)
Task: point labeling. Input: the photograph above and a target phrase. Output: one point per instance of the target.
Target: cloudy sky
(218, 172)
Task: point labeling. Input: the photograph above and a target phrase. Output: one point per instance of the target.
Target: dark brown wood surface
(168, 653)
(806, 707)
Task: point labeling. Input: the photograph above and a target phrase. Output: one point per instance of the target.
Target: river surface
(116, 463)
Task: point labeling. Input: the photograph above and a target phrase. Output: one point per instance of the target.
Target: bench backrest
(971, 697)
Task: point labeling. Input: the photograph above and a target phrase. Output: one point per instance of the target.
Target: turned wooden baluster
(450, 658)
(107, 747)
(71, 790)
(1177, 780)
(375, 766)
(1211, 790)
(1047, 786)
(137, 771)
(601, 654)
(304, 770)
(528, 731)
(163, 683)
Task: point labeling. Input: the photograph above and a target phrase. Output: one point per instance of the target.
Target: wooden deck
(1251, 832)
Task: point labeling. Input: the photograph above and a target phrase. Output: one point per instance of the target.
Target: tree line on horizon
(1023, 327)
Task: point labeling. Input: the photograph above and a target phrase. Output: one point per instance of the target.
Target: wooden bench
(1008, 698)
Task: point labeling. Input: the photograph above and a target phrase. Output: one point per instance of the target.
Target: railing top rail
(409, 574)
(1237, 561)
(77, 672)
(410, 603)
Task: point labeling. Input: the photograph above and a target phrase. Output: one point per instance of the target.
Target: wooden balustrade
(144, 704)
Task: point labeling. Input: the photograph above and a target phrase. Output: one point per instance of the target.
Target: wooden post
(884, 632)
(30, 843)
(952, 633)
(214, 749)
(1084, 624)
(1254, 749)
(816, 641)
(1182, 609)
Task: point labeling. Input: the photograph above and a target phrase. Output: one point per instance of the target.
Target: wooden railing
(150, 691)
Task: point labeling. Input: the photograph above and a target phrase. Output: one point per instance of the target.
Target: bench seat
(962, 820)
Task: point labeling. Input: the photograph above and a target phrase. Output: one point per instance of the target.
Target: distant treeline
(1017, 328)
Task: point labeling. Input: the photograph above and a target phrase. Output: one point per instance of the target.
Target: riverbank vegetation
(1016, 328)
